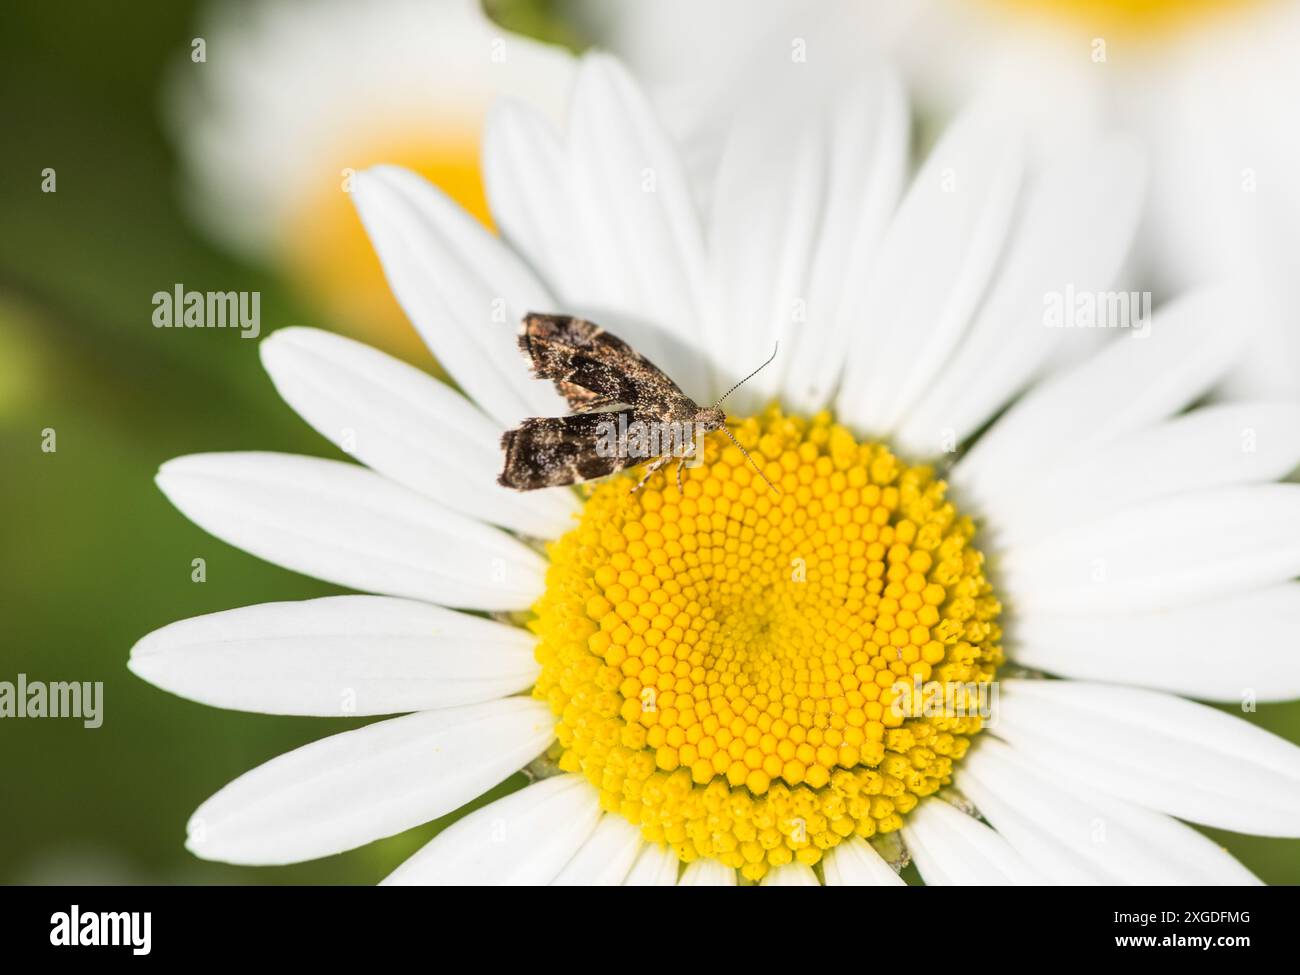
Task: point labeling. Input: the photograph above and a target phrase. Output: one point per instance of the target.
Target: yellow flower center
(1147, 19)
(738, 673)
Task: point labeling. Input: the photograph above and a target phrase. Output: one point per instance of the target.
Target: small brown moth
(593, 369)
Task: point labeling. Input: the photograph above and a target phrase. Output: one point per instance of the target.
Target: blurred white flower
(293, 97)
(1140, 547)
(1208, 88)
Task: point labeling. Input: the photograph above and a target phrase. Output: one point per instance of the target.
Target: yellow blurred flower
(1137, 18)
(290, 99)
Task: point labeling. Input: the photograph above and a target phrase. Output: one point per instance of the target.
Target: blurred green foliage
(546, 20)
(93, 555)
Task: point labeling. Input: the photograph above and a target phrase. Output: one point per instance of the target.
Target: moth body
(627, 411)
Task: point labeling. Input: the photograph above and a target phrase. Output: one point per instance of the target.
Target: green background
(93, 556)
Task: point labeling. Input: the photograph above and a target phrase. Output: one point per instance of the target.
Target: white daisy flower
(1206, 87)
(716, 675)
(294, 97)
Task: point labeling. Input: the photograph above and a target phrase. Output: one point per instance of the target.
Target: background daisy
(295, 97)
(1205, 88)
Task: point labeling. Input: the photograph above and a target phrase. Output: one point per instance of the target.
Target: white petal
(1169, 552)
(338, 656)
(935, 262)
(1227, 650)
(346, 790)
(764, 228)
(869, 128)
(1076, 228)
(1159, 751)
(463, 289)
(807, 182)
(347, 525)
(1148, 374)
(1076, 835)
(530, 189)
(1267, 367)
(407, 426)
(707, 872)
(793, 874)
(657, 866)
(606, 218)
(951, 848)
(1018, 826)
(1213, 447)
(644, 247)
(524, 839)
(605, 858)
(854, 863)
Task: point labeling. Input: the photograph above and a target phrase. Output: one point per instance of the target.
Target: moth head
(711, 418)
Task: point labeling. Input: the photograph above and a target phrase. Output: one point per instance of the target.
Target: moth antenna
(747, 379)
(728, 432)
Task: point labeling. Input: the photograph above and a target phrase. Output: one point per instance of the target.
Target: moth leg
(649, 473)
(682, 463)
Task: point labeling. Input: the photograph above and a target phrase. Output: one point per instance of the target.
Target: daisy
(718, 685)
(1207, 87)
(295, 97)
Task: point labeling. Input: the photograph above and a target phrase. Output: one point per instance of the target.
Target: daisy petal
(462, 288)
(1244, 443)
(1149, 374)
(935, 262)
(854, 863)
(644, 247)
(526, 174)
(707, 872)
(343, 791)
(1234, 649)
(1158, 751)
(764, 227)
(793, 874)
(1076, 228)
(1076, 835)
(407, 426)
(866, 170)
(806, 185)
(607, 217)
(951, 849)
(1165, 553)
(524, 839)
(605, 858)
(337, 656)
(347, 525)
(656, 866)
(1055, 860)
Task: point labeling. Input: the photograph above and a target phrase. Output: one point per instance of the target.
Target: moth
(607, 384)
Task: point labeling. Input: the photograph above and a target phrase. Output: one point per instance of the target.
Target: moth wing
(591, 367)
(557, 450)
